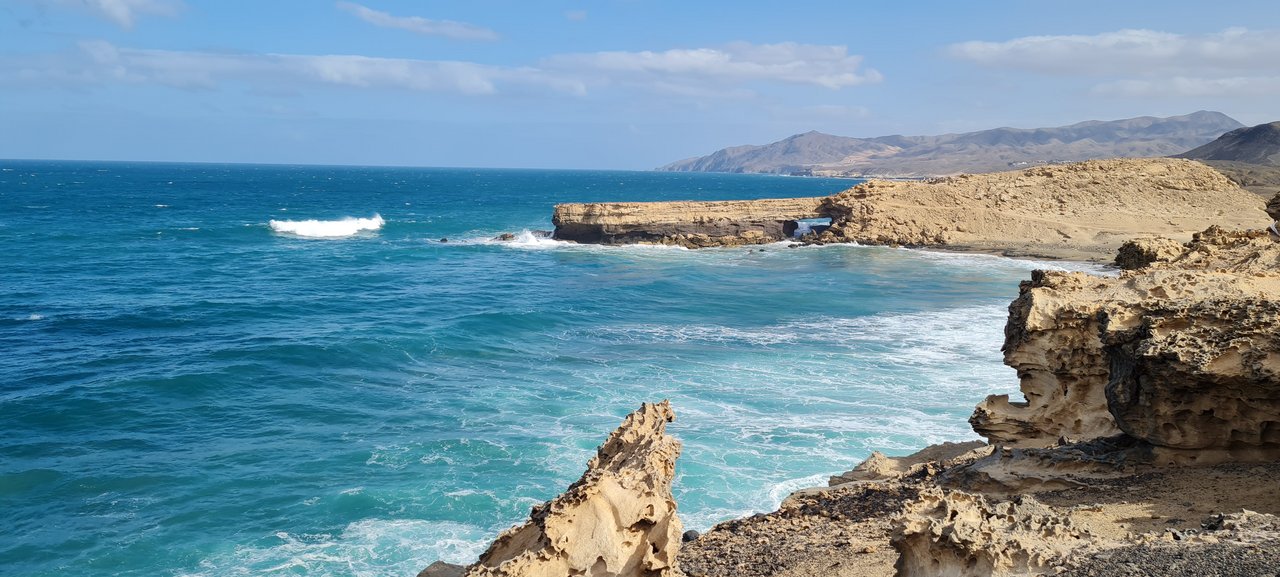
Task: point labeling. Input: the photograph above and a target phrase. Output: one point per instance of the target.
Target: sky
(598, 84)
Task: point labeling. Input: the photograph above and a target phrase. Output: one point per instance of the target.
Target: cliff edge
(1081, 211)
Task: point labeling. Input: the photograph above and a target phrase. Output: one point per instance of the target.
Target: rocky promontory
(1081, 211)
(689, 224)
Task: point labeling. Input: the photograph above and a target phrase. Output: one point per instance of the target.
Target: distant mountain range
(984, 151)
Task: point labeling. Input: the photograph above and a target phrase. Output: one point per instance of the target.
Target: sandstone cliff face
(619, 519)
(1080, 210)
(1181, 354)
(690, 224)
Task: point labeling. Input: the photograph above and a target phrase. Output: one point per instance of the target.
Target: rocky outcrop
(955, 534)
(688, 224)
(1084, 210)
(878, 467)
(1181, 354)
(619, 519)
(1141, 252)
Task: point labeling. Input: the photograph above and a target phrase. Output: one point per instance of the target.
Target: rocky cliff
(1082, 211)
(689, 224)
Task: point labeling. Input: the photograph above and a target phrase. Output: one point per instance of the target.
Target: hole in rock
(801, 227)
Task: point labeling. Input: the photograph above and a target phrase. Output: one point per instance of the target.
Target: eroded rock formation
(619, 519)
(1182, 354)
(689, 224)
(955, 534)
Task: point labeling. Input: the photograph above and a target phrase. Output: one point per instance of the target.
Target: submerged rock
(619, 519)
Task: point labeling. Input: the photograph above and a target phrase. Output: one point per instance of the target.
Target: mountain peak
(1251, 145)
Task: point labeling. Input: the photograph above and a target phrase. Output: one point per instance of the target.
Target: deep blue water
(186, 390)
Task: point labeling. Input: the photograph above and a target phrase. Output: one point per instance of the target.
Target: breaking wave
(349, 226)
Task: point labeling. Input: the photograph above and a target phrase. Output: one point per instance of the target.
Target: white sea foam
(327, 228)
(31, 317)
(367, 548)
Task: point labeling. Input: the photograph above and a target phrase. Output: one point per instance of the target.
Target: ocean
(217, 370)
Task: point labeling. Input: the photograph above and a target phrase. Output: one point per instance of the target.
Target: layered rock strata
(1083, 211)
(689, 224)
(619, 519)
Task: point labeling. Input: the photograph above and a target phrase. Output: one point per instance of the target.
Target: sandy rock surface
(619, 519)
(1084, 210)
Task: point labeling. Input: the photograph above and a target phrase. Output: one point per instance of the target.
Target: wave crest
(349, 226)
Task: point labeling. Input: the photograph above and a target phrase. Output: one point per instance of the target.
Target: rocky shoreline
(1081, 211)
(1147, 442)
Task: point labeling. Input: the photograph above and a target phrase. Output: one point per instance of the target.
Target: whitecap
(366, 548)
(349, 226)
(30, 317)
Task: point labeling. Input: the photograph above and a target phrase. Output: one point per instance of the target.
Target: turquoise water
(187, 388)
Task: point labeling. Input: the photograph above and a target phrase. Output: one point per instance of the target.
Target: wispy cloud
(420, 25)
(735, 64)
(708, 74)
(123, 13)
(1141, 60)
(575, 15)
(101, 63)
(1127, 51)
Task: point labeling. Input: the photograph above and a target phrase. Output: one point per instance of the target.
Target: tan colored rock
(957, 534)
(691, 224)
(878, 467)
(619, 519)
(1182, 354)
(1052, 339)
(1140, 252)
(1083, 210)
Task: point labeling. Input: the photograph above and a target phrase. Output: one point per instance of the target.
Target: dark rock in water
(442, 569)
(506, 236)
(690, 535)
(444, 239)
(543, 233)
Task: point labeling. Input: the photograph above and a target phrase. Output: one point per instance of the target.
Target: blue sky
(628, 84)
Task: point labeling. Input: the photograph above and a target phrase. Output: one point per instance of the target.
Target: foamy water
(345, 227)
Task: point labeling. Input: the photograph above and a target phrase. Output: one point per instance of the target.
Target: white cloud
(99, 63)
(735, 72)
(123, 13)
(735, 64)
(1129, 52)
(419, 25)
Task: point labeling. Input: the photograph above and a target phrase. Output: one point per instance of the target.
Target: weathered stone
(691, 224)
(619, 519)
(1182, 354)
(1138, 253)
(956, 534)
